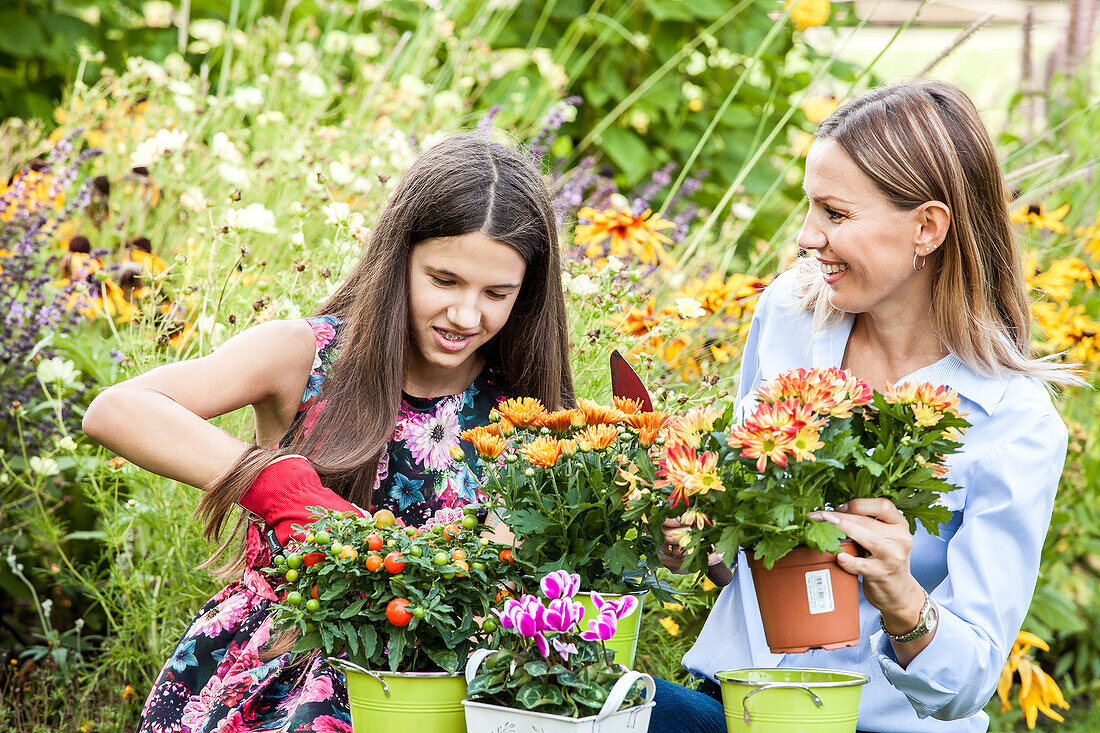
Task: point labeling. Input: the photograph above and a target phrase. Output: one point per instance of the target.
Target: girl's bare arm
(158, 420)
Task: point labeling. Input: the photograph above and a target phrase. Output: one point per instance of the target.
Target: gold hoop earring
(922, 261)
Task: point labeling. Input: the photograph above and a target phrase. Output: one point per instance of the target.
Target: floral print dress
(216, 680)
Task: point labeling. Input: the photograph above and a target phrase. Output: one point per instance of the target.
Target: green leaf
(631, 155)
(537, 668)
(620, 557)
(447, 659)
(22, 36)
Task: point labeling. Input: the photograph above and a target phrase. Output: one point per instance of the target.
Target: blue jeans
(685, 711)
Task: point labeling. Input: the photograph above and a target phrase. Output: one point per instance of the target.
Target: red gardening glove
(283, 490)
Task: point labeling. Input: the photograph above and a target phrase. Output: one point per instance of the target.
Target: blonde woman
(911, 274)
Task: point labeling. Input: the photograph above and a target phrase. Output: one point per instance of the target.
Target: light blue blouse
(980, 570)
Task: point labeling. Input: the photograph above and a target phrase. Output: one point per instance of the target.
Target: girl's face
(461, 292)
(864, 244)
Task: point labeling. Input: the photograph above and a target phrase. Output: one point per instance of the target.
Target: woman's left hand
(880, 529)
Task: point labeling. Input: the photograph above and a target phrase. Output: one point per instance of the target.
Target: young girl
(456, 303)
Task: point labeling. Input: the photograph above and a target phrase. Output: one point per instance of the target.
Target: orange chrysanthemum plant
(813, 440)
(562, 481)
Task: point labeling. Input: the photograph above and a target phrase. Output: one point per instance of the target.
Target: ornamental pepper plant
(814, 440)
(549, 664)
(387, 596)
(559, 480)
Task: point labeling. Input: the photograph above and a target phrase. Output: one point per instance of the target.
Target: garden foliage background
(176, 174)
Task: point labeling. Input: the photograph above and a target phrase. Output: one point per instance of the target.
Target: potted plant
(398, 609)
(558, 480)
(814, 440)
(553, 674)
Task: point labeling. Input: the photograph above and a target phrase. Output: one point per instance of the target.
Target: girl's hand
(671, 555)
(881, 530)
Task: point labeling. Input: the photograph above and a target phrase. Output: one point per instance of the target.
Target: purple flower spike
(560, 584)
(620, 607)
(600, 628)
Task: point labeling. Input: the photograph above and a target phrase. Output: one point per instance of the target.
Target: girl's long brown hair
(464, 184)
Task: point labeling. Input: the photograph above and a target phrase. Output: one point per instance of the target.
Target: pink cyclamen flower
(543, 645)
(565, 649)
(563, 614)
(560, 584)
(620, 607)
(600, 628)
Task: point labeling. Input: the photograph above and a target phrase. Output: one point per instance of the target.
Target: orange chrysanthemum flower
(924, 400)
(523, 412)
(833, 392)
(777, 432)
(636, 234)
(568, 446)
(597, 414)
(689, 427)
(627, 406)
(648, 420)
(689, 473)
(486, 440)
(543, 451)
(561, 420)
(597, 437)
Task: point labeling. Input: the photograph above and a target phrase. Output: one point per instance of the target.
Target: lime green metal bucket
(788, 700)
(397, 702)
(625, 640)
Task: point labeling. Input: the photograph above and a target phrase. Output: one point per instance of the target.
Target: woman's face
(461, 292)
(864, 244)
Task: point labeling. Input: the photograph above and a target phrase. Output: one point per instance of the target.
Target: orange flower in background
(486, 441)
(523, 412)
(568, 446)
(543, 451)
(597, 437)
(1035, 216)
(638, 235)
(560, 421)
(1059, 280)
(818, 109)
(1038, 691)
(597, 414)
(808, 13)
(640, 322)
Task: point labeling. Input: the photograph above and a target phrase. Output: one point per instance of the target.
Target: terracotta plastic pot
(807, 601)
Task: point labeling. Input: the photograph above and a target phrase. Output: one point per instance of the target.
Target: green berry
(291, 576)
(313, 605)
(441, 558)
(294, 561)
(294, 598)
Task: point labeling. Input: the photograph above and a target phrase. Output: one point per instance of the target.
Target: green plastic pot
(625, 640)
(789, 700)
(400, 702)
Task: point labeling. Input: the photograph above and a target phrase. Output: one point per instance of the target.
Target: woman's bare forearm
(153, 431)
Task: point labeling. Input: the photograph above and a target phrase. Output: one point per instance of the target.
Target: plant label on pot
(819, 592)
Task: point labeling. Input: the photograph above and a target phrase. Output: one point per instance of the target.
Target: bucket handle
(344, 665)
(475, 661)
(778, 685)
(622, 688)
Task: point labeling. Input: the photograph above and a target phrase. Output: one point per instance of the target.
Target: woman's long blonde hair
(924, 141)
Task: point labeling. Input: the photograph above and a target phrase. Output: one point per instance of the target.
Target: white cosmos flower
(689, 308)
(222, 147)
(582, 285)
(365, 44)
(336, 212)
(340, 174)
(193, 200)
(58, 370)
(247, 98)
(234, 175)
(254, 217)
(44, 466)
(284, 60)
(160, 144)
(311, 84)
